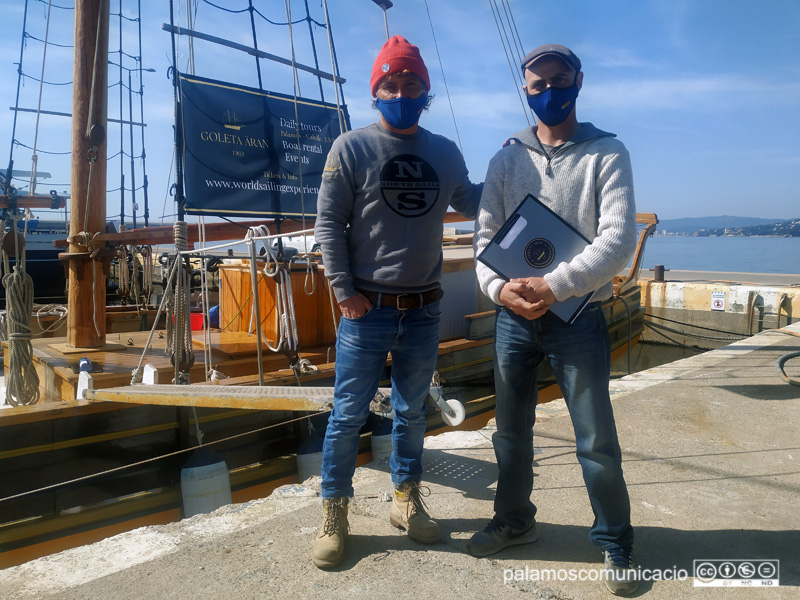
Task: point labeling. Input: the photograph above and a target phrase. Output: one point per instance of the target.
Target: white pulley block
(455, 413)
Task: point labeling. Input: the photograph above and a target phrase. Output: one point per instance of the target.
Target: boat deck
(710, 455)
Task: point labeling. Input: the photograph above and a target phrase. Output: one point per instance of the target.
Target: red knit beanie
(395, 56)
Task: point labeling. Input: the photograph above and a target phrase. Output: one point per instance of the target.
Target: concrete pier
(711, 456)
(709, 309)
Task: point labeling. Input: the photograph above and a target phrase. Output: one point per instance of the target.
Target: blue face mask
(402, 113)
(553, 105)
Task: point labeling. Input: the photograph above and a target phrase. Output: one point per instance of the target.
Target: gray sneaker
(621, 573)
(496, 536)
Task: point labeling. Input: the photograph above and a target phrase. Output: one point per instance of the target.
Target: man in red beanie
(380, 210)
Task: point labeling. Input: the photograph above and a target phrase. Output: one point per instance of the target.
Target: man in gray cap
(584, 175)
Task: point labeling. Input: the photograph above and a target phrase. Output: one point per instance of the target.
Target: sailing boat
(121, 457)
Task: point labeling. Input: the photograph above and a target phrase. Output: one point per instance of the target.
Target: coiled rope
(124, 277)
(22, 386)
(180, 347)
(286, 322)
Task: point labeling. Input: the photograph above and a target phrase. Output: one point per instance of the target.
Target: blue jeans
(412, 338)
(580, 357)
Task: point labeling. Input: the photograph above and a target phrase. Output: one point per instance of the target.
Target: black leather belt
(405, 301)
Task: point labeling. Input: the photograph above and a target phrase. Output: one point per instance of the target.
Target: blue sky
(704, 93)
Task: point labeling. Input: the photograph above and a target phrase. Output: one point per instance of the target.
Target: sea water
(686, 253)
(727, 254)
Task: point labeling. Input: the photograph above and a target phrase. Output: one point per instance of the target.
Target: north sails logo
(409, 185)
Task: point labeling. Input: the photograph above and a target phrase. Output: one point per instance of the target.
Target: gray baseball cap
(558, 50)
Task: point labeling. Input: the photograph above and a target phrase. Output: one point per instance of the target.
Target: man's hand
(355, 307)
(529, 297)
(538, 290)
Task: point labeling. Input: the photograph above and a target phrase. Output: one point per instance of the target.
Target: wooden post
(87, 279)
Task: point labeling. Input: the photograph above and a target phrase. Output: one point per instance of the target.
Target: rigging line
(57, 5)
(271, 22)
(287, 4)
(124, 85)
(141, 119)
(513, 30)
(121, 128)
(46, 82)
(441, 66)
(492, 5)
(93, 148)
(16, 101)
(191, 19)
(314, 50)
(255, 44)
(234, 223)
(209, 368)
(227, 10)
(157, 458)
(18, 143)
(334, 69)
(130, 138)
(177, 151)
(295, 76)
(33, 37)
(119, 14)
(336, 63)
(133, 57)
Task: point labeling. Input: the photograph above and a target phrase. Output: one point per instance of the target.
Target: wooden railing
(649, 220)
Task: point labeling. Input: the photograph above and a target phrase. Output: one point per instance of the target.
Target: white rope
(444, 79)
(22, 385)
(136, 290)
(209, 369)
(342, 124)
(297, 139)
(136, 374)
(123, 275)
(286, 321)
(90, 241)
(49, 310)
(147, 273)
(167, 298)
(181, 347)
(509, 51)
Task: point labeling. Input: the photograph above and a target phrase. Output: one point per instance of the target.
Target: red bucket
(195, 321)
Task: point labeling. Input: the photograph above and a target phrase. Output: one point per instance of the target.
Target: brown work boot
(409, 513)
(328, 548)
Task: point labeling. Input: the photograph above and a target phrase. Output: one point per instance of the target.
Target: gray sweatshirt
(588, 182)
(381, 207)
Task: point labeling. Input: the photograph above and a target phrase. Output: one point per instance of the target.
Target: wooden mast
(87, 280)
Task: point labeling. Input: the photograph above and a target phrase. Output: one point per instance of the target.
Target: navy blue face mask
(402, 113)
(553, 105)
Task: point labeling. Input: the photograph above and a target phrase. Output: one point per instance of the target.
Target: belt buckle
(401, 296)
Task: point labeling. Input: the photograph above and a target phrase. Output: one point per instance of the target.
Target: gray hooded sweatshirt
(381, 207)
(588, 183)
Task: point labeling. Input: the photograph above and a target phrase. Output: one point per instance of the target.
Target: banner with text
(248, 153)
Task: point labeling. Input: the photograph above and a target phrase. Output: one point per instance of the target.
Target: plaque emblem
(539, 253)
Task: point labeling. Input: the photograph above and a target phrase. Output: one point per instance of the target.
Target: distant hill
(782, 229)
(692, 225)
